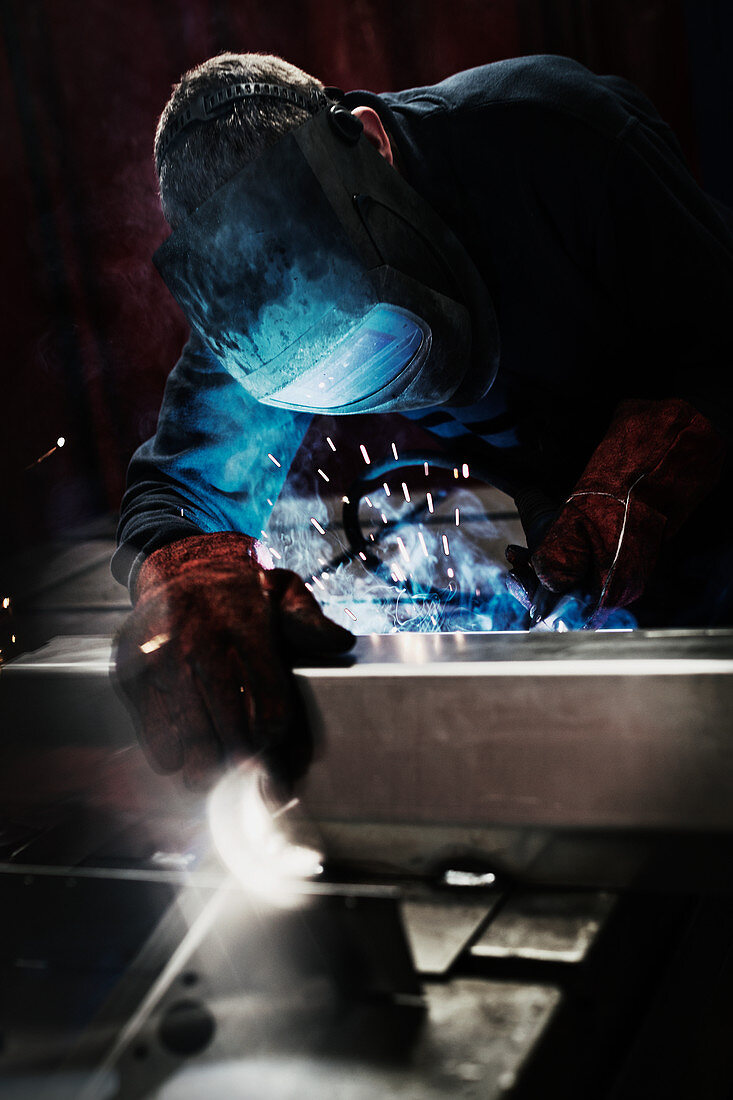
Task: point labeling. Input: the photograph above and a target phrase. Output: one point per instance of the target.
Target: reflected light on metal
(251, 838)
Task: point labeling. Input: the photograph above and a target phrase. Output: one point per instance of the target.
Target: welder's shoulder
(546, 85)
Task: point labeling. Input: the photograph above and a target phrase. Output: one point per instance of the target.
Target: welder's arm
(206, 469)
(203, 661)
(664, 251)
(657, 462)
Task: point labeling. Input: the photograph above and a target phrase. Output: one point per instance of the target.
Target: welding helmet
(324, 283)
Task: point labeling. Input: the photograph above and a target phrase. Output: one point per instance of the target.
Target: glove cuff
(223, 548)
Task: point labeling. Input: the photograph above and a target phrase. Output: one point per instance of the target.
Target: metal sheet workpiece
(577, 730)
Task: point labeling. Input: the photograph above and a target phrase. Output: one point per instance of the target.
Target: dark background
(90, 332)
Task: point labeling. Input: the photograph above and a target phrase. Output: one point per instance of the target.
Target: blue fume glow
(418, 587)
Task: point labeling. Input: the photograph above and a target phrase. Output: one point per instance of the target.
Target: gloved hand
(203, 659)
(656, 463)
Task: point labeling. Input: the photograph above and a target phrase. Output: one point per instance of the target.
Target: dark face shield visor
(324, 283)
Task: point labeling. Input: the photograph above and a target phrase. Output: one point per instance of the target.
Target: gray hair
(207, 154)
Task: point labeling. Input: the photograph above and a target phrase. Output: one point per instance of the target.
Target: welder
(516, 258)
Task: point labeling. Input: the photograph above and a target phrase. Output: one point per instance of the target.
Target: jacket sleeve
(217, 462)
(665, 253)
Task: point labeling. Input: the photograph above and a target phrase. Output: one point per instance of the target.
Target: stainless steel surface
(469, 731)
(555, 926)
(438, 931)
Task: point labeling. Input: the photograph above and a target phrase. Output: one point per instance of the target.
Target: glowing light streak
(362, 555)
(331, 443)
(455, 472)
(368, 502)
(403, 549)
(384, 518)
(426, 468)
(429, 497)
(270, 502)
(182, 512)
(421, 537)
(310, 588)
(324, 476)
(155, 643)
(386, 489)
(273, 459)
(345, 500)
(351, 614)
(365, 454)
(451, 574)
(318, 582)
(6, 603)
(446, 547)
(317, 526)
(458, 517)
(394, 451)
(464, 469)
(321, 561)
(371, 536)
(12, 638)
(264, 534)
(250, 841)
(406, 492)
(275, 554)
(59, 443)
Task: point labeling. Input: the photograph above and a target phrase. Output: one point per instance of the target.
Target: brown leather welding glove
(657, 462)
(203, 660)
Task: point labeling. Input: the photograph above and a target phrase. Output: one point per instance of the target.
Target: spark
(362, 555)
(345, 500)
(6, 603)
(384, 518)
(317, 526)
(386, 489)
(324, 476)
(403, 549)
(322, 561)
(394, 451)
(318, 582)
(431, 509)
(365, 454)
(371, 536)
(421, 537)
(426, 468)
(451, 574)
(350, 614)
(59, 443)
(154, 643)
(275, 554)
(397, 572)
(182, 512)
(310, 588)
(458, 517)
(406, 492)
(446, 547)
(270, 502)
(455, 472)
(12, 638)
(464, 469)
(273, 459)
(368, 502)
(331, 443)
(264, 534)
